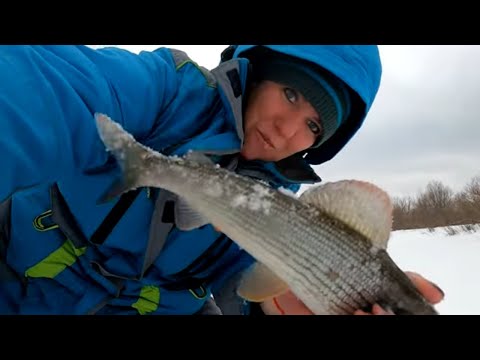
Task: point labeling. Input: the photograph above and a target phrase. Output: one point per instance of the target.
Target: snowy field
(452, 262)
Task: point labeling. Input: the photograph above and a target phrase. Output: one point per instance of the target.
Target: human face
(279, 122)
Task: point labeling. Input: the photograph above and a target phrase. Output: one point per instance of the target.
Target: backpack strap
(5, 210)
(12, 285)
(114, 216)
(62, 216)
(162, 223)
(6, 272)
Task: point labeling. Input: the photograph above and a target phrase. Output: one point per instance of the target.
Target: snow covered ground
(452, 262)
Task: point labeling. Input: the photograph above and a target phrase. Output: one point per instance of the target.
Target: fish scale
(307, 230)
(328, 254)
(330, 266)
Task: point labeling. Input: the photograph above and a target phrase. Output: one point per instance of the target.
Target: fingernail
(438, 288)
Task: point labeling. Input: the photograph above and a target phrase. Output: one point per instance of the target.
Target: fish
(328, 246)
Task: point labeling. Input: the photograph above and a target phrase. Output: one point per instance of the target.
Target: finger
(361, 312)
(291, 305)
(378, 310)
(431, 291)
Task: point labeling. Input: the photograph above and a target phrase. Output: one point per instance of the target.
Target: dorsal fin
(361, 205)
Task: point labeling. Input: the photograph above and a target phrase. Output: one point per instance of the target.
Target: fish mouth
(265, 139)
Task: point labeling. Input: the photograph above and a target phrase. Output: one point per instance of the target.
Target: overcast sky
(423, 125)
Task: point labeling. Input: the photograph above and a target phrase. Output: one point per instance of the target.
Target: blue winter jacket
(55, 168)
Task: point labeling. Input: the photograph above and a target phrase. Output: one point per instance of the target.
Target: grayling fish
(328, 246)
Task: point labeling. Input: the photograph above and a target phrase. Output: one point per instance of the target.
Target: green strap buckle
(40, 226)
(199, 292)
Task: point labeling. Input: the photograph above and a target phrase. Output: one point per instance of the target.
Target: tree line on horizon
(438, 205)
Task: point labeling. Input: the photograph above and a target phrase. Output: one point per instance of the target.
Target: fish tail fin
(415, 305)
(130, 155)
(401, 294)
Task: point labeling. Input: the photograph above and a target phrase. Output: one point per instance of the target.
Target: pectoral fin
(199, 157)
(259, 283)
(187, 218)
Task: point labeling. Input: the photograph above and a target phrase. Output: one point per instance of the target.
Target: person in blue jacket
(268, 112)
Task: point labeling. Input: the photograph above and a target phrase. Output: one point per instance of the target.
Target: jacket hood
(359, 66)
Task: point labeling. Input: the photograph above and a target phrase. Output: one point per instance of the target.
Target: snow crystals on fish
(258, 200)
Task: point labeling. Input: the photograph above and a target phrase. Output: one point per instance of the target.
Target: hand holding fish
(289, 304)
(432, 293)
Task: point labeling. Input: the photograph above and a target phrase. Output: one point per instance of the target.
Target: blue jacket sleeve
(49, 94)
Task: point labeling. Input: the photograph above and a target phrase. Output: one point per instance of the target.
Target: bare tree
(472, 190)
(438, 205)
(402, 209)
(436, 196)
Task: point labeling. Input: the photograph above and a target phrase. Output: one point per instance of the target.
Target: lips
(266, 140)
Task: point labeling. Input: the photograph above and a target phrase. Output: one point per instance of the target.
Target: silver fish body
(327, 264)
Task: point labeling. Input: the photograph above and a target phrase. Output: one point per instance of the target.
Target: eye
(314, 127)
(291, 95)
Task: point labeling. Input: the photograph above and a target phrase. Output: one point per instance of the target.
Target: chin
(247, 155)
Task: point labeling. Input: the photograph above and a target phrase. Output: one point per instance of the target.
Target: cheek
(303, 141)
(251, 119)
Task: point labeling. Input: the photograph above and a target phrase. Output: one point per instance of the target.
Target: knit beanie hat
(323, 90)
